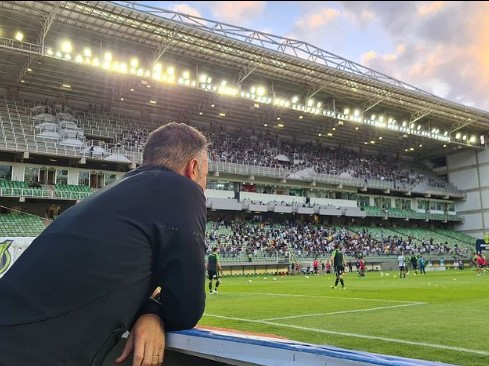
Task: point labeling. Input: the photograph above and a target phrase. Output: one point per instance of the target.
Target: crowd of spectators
(268, 150)
(273, 240)
(262, 149)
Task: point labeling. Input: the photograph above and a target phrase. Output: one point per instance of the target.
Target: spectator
(107, 255)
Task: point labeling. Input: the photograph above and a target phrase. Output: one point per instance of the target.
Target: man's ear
(190, 170)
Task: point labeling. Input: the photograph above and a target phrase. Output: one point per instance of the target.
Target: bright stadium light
(123, 68)
(260, 91)
(66, 47)
(87, 52)
(203, 78)
(19, 36)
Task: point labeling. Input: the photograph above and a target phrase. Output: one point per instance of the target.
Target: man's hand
(147, 339)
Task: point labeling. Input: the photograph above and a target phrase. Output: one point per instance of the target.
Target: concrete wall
(469, 170)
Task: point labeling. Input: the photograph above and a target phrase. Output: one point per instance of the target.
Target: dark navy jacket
(82, 283)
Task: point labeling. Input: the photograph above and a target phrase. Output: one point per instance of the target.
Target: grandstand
(307, 149)
(297, 132)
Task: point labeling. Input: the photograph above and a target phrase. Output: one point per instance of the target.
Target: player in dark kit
(338, 263)
(213, 269)
(414, 262)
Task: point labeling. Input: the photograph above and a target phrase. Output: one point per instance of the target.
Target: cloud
(318, 19)
(320, 26)
(442, 49)
(236, 12)
(186, 9)
(431, 8)
(395, 17)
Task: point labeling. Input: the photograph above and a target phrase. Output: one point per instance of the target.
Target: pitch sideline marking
(392, 340)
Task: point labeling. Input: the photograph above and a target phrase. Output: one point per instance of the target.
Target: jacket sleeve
(179, 254)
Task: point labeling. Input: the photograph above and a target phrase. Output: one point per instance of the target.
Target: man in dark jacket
(89, 276)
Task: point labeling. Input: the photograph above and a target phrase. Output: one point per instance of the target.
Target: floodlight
(19, 36)
(66, 47)
(87, 52)
(202, 78)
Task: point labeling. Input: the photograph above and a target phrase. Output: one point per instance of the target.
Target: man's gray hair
(174, 145)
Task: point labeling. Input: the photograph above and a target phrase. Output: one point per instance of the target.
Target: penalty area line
(330, 297)
(341, 312)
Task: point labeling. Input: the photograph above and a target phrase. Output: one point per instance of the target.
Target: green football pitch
(440, 316)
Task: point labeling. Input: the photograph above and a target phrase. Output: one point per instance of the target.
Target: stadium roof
(348, 93)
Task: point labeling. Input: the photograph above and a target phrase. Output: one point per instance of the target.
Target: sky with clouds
(439, 46)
